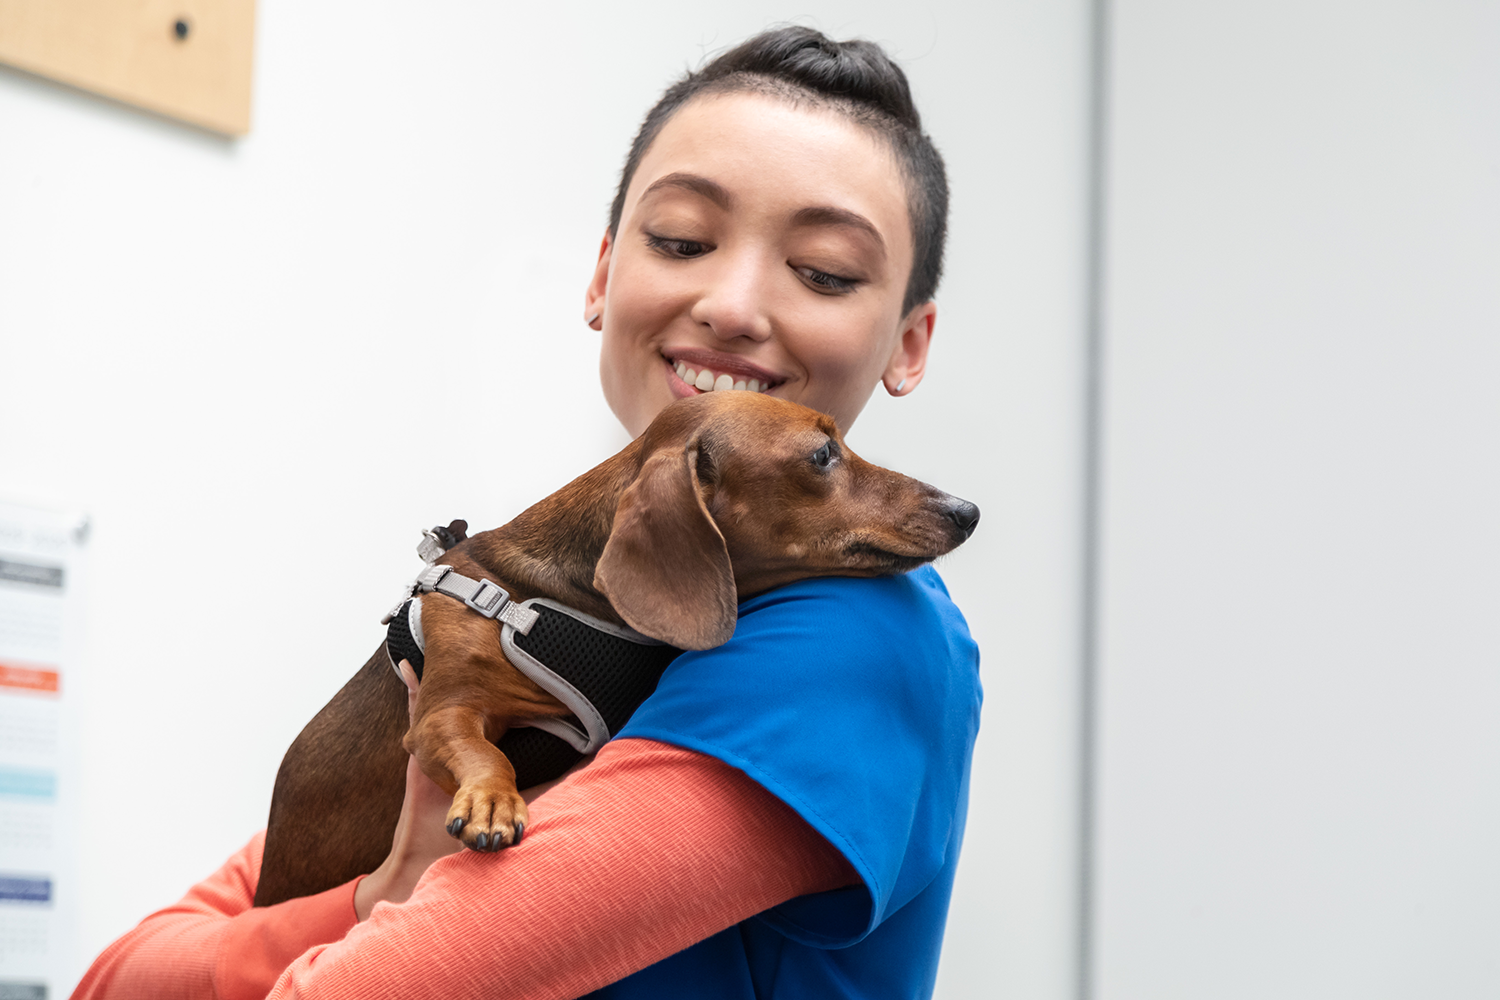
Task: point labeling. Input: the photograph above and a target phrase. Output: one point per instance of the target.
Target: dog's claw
(520, 832)
(456, 825)
(482, 842)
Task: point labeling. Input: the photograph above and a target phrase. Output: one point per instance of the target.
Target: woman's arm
(213, 943)
(650, 849)
(647, 851)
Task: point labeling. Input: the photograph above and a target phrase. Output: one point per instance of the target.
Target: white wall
(221, 350)
(1299, 757)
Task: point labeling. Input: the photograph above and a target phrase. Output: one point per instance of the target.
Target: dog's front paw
(487, 815)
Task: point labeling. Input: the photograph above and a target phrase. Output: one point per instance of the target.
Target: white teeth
(706, 381)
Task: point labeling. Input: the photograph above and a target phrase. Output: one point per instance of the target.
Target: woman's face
(761, 247)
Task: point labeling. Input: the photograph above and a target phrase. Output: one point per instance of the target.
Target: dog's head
(739, 492)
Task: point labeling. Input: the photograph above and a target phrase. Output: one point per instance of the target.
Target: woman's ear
(593, 295)
(909, 359)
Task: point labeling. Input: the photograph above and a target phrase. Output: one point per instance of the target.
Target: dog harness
(600, 671)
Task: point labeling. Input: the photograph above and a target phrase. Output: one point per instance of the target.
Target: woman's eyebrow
(828, 215)
(813, 215)
(712, 190)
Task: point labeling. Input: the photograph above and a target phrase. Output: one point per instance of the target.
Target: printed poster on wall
(40, 635)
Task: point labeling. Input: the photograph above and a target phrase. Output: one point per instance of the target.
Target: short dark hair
(855, 78)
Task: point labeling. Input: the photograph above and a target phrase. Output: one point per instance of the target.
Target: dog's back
(338, 793)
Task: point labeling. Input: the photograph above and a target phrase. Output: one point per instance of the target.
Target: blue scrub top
(855, 702)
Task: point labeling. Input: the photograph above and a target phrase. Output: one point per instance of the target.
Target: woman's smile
(697, 371)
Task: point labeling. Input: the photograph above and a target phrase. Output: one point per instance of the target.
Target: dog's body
(725, 496)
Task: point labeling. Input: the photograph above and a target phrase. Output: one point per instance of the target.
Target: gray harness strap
(489, 599)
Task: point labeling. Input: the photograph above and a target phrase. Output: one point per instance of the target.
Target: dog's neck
(552, 547)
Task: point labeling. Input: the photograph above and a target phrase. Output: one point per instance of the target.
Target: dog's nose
(965, 515)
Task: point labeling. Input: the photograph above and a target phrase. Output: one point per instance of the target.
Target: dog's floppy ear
(666, 568)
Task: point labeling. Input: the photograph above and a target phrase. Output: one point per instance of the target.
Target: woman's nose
(736, 301)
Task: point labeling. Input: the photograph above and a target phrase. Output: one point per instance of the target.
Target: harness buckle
(488, 599)
(430, 547)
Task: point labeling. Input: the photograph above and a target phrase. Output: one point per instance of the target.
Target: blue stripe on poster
(25, 889)
(28, 784)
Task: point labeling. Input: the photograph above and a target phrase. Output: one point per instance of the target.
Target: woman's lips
(700, 372)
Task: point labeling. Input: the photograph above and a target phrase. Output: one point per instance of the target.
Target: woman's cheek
(845, 363)
(645, 309)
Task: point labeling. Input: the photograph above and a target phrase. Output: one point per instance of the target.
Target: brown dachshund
(725, 495)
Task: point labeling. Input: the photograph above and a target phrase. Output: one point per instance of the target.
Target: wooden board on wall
(188, 59)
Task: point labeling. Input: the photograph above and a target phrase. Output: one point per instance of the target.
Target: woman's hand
(421, 835)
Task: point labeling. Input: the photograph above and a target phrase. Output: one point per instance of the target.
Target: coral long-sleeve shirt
(648, 850)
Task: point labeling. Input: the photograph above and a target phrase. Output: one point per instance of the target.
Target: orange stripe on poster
(28, 678)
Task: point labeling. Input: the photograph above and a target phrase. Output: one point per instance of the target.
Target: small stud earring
(591, 318)
(900, 385)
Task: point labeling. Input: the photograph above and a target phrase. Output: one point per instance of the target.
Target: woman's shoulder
(867, 653)
(856, 612)
(924, 582)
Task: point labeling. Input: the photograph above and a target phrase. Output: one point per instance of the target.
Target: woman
(783, 816)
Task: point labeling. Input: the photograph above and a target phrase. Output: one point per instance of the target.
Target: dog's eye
(823, 457)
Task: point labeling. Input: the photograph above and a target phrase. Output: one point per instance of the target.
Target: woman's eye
(823, 457)
(826, 281)
(685, 249)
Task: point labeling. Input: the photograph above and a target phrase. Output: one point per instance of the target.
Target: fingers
(409, 678)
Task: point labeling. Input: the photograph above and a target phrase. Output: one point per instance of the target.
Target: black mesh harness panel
(601, 671)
